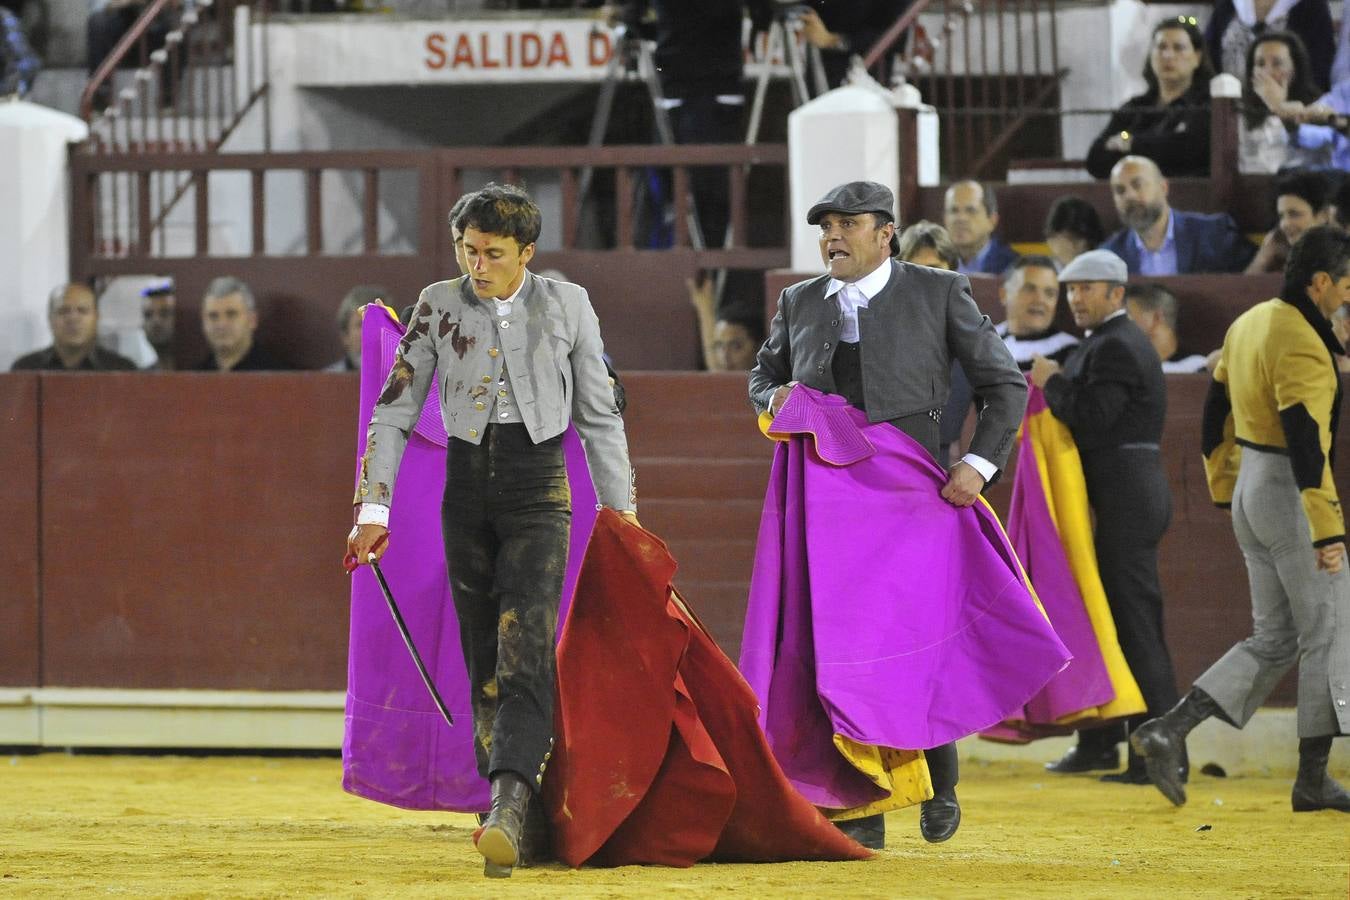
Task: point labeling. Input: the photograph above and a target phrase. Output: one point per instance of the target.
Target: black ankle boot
(500, 839)
(1162, 743)
(536, 837)
(1314, 789)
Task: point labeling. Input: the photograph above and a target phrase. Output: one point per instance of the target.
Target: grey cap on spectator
(855, 197)
(1095, 265)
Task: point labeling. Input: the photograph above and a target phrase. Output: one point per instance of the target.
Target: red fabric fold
(658, 757)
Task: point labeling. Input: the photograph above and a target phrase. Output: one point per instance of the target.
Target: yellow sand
(250, 827)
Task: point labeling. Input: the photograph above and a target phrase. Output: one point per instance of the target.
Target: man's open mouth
(838, 254)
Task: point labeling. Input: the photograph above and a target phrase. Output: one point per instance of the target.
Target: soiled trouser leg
(506, 520)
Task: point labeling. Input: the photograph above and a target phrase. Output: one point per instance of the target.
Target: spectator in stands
(19, 65)
(349, 323)
(844, 30)
(1168, 123)
(1302, 200)
(1236, 24)
(1029, 293)
(229, 321)
(159, 319)
(1154, 309)
(1159, 240)
(729, 341)
(1279, 81)
(700, 60)
(1071, 228)
(927, 244)
(970, 212)
(72, 313)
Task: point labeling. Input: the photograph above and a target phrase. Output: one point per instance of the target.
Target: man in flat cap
(1111, 394)
(883, 334)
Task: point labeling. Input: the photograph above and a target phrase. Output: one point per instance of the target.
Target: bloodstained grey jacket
(911, 331)
(550, 344)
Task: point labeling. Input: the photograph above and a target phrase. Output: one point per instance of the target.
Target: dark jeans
(506, 517)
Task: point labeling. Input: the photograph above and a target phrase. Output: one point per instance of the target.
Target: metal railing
(192, 84)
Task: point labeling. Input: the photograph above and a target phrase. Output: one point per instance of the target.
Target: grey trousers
(1299, 614)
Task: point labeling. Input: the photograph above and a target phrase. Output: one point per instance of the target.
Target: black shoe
(1129, 776)
(499, 840)
(1080, 759)
(870, 831)
(1164, 753)
(1314, 788)
(939, 818)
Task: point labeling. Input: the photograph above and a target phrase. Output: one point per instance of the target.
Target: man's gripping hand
(364, 540)
(1331, 557)
(963, 485)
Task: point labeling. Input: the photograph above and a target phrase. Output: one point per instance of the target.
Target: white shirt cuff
(373, 514)
(986, 469)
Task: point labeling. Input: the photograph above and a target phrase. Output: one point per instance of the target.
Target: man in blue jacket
(1159, 240)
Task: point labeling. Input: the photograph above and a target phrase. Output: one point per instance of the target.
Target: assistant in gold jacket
(1289, 404)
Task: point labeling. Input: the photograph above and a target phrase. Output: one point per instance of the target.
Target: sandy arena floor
(254, 827)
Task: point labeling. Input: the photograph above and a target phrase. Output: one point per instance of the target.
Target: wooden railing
(116, 196)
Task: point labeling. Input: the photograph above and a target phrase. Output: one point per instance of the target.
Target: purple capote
(1084, 682)
(396, 747)
(877, 610)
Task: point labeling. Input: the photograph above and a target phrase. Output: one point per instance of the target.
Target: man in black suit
(1110, 393)
(883, 334)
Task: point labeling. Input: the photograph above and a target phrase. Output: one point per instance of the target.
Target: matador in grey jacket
(514, 358)
(883, 334)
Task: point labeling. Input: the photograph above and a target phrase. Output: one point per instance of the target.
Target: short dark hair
(924, 234)
(753, 325)
(1154, 298)
(1341, 200)
(458, 208)
(360, 296)
(502, 209)
(1034, 260)
(1076, 216)
(987, 195)
(1309, 186)
(1323, 248)
(1203, 72)
(1302, 87)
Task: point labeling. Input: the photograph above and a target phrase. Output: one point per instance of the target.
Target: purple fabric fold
(1084, 682)
(877, 610)
(396, 748)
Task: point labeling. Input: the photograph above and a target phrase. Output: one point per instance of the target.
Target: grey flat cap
(855, 197)
(1095, 265)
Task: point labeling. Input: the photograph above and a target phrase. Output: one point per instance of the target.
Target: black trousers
(700, 119)
(1133, 506)
(506, 519)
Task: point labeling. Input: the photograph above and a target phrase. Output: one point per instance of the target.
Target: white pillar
(849, 134)
(35, 227)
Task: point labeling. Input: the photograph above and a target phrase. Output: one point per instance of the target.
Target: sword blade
(408, 641)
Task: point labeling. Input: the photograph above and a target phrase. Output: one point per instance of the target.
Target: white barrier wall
(34, 225)
(849, 134)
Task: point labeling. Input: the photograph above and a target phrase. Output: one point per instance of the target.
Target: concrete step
(706, 519)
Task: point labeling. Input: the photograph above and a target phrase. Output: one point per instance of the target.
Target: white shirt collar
(1115, 315)
(869, 285)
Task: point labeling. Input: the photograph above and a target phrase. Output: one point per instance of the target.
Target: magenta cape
(877, 610)
(1084, 683)
(396, 747)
